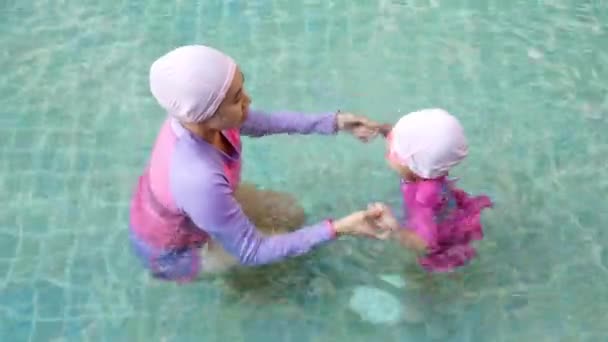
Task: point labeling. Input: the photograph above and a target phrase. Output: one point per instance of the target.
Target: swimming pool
(527, 78)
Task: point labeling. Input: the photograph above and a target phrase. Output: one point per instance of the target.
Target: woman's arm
(260, 123)
(209, 202)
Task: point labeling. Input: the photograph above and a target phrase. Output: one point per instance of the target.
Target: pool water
(527, 79)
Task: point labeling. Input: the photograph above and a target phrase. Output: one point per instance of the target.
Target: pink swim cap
(429, 142)
(191, 81)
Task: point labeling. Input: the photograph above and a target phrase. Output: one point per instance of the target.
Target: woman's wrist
(333, 233)
(337, 127)
(338, 227)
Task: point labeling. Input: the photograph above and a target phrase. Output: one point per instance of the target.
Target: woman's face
(232, 112)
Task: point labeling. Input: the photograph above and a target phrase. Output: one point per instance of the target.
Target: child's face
(403, 171)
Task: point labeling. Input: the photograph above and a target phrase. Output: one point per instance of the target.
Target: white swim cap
(191, 81)
(429, 142)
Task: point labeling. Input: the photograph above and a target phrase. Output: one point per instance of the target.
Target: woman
(189, 213)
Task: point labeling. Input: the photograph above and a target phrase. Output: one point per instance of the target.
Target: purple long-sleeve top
(186, 196)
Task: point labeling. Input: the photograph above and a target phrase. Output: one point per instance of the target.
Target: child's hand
(385, 130)
(369, 223)
(386, 221)
(361, 127)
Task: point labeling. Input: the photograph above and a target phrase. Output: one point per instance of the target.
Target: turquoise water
(527, 78)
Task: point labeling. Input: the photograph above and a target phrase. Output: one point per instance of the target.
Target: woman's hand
(405, 236)
(361, 127)
(387, 221)
(375, 222)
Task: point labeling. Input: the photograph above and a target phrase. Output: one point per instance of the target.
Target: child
(442, 220)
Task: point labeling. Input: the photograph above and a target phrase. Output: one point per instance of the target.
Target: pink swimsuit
(446, 218)
(185, 197)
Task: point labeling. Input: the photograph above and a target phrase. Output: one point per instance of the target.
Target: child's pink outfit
(429, 143)
(446, 218)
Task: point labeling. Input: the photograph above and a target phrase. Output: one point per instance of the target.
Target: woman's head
(199, 85)
(426, 144)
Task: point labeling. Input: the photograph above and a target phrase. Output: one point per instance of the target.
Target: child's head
(426, 144)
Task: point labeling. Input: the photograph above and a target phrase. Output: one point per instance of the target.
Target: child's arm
(411, 241)
(421, 233)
